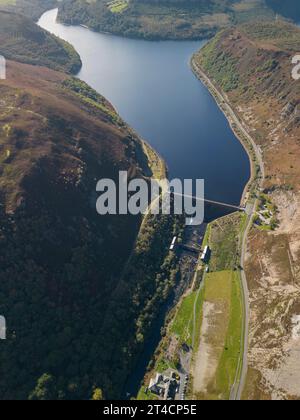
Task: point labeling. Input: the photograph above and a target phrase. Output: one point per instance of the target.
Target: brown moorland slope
(77, 308)
(252, 65)
(59, 261)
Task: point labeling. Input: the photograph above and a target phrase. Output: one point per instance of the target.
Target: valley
(166, 138)
(144, 307)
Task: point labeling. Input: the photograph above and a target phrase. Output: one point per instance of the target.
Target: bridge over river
(218, 203)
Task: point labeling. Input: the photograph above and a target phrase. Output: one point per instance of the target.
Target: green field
(226, 285)
(186, 325)
(183, 323)
(117, 6)
(222, 289)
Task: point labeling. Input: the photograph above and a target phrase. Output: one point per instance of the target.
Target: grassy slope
(182, 325)
(24, 41)
(167, 20)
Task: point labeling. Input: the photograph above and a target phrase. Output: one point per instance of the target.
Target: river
(154, 90)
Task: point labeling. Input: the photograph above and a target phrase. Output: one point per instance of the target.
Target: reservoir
(154, 90)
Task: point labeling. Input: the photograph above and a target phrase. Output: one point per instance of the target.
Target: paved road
(239, 385)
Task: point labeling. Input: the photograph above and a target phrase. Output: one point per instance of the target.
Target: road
(238, 386)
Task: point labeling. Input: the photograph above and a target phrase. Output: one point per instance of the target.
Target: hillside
(67, 275)
(30, 8)
(169, 19)
(23, 41)
(62, 292)
(252, 66)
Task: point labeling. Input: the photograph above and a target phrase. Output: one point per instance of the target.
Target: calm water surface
(154, 90)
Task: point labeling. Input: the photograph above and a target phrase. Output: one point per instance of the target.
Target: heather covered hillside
(61, 264)
(66, 281)
(253, 62)
(22, 40)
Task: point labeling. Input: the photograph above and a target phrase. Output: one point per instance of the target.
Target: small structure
(156, 385)
(173, 243)
(165, 385)
(205, 257)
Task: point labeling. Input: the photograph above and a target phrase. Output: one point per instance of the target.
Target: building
(205, 257)
(164, 385)
(156, 385)
(173, 243)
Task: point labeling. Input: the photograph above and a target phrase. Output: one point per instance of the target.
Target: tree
(45, 389)
(97, 395)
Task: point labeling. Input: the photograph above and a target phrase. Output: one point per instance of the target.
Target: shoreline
(222, 102)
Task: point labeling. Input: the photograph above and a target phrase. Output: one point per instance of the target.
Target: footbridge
(218, 203)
